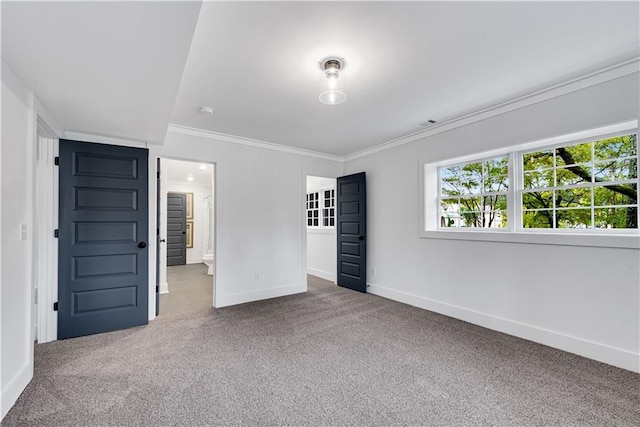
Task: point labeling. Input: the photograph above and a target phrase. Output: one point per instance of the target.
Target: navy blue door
(103, 235)
(176, 229)
(351, 224)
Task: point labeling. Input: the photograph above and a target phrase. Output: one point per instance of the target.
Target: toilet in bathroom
(208, 260)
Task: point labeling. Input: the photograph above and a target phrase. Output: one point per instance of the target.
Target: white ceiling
(114, 68)
(257, 64)
(104, 68)
(192, 173)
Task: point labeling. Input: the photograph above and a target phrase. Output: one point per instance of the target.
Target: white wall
(584, 300)
(321, 242)
(15, 265)
(259, 214)
(194, 255)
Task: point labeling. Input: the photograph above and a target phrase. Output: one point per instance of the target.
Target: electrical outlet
(256, 277)
(374, 271)
(23, 231)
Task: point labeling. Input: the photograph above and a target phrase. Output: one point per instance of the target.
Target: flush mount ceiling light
(332, 82)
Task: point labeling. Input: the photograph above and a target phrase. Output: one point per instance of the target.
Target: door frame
(161, 261)
(47, 320)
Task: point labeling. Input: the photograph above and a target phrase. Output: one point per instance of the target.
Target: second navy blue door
(351, 232)
(103, 235)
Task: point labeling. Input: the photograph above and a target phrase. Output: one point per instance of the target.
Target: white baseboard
(15, 387)
(194, 260)
(243, 297)
(322, 274)
(164, 288)
(601, 352)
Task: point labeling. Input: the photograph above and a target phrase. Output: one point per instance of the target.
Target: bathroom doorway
(188, 285)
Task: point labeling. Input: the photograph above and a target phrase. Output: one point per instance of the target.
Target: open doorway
(320, 226)
(186, 255)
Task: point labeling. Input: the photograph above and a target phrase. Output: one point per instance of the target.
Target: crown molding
(601, 76)
(185, 130)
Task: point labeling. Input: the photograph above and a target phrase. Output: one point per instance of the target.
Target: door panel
(103, 259)
(176, 228)
(351, 231)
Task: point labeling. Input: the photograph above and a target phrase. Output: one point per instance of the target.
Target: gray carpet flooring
(327, 357)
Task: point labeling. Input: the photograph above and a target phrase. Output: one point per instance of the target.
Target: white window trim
(429, 211)
(321, 226)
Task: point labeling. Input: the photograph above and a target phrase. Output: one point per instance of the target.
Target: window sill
(619, 241)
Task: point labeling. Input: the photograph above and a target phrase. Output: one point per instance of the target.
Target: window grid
(490, 210)
(609, 174)
(321, 208)
(559, 190)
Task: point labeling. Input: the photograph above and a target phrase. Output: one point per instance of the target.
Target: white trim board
(223, 137)
(14, 388)
(603, 353)
(322, 274)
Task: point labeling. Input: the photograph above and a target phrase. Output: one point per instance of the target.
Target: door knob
(362, 238)
(142, 245)
(162, 240)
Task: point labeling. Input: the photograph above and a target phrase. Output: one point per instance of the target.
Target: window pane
(325, 222)
(626, 217)
(573, 218)
(471, 178)
(315, 222)
(449, 220)
(495, 219)
(574, 154)
(331, 222)
(471, 219)
(496, 183)
(325, 212)
(537, 160)
(613, 195)
(612, 148)
(493, 203)
(538, 178)
(327, 194)
(496, 167)
(616, 170)
(315, 214)
(332, 212)
(573, 175)
(537, 200)
(309, 214)
(309, 222)
(450, 180)
(573, 197)
(537, 219)
(471, 204)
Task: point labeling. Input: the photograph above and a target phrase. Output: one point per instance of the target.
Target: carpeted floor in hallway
(327, 357)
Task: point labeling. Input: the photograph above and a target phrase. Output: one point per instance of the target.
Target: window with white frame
(329, 210)
(313, 209)
(474, 194)
(321, 208)
(585, 181)
(589, 185)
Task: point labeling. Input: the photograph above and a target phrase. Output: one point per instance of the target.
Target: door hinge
(56, 233)
(55, 306)
(158, 174)
(56, 161)
(157, 288)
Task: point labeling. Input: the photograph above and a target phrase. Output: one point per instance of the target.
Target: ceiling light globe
(332, 97)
